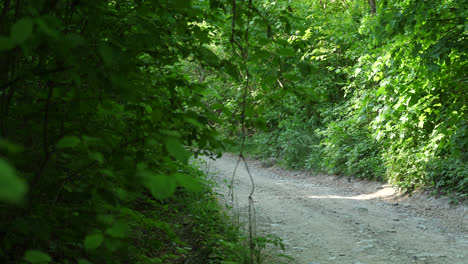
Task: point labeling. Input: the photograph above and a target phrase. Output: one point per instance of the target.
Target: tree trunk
(372, 6)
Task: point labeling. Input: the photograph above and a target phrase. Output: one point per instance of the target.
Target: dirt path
(325, 219)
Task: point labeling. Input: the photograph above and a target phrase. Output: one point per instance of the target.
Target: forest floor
(326, 219)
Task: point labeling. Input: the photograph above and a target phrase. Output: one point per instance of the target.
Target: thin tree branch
(233, 24)
(45, 139)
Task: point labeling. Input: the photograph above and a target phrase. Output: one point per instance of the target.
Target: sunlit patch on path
(383, 193)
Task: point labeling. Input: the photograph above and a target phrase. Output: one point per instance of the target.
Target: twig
(231, 187)
(70, 177)
(233, 24)
(45, 143)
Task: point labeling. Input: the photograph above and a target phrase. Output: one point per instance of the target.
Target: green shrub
(348, 148)
(448, 175)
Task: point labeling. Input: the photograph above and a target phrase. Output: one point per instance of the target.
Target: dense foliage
(97, 117)
(102, 104)
(373, 95)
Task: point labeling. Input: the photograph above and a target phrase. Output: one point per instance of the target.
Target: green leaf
(6, 43)
(97, 156)
(194, 122)
(227, 112)
(12, 188)
(73, 40)
(21, 30)
(118, 230)
(83, 261)
(161, 186)
(232, 70)
(291, 77)
(357, 71)
(215, 4)
(208, 56)
(93, 241)
(113, 244)
(107, 172)
(189, 182)
(36, 256)
(68, 142)
(434, 67)
(107, 54)
(281, 41)
(304, 68)
(10, 147)
(45, 27)
(156, 116)
(177, 150)
(202, 36)
(260, 123)
(286, 52)
(421, 121)
(260, 55)
(181, 4)
(217, 106)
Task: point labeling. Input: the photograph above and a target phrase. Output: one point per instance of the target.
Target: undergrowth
(196, 228)
(350, 153)
(196, 231)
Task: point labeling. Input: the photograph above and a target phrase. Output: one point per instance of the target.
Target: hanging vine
(244, 54)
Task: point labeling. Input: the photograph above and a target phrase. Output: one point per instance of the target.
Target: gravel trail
(325, 219)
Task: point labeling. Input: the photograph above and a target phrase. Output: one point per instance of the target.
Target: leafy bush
(447, 175)
(189, 227)
(349, 149)
(95, 95)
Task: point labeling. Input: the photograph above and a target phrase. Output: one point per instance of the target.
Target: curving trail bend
(325, 219)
